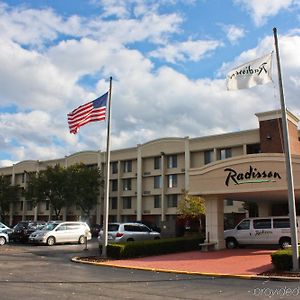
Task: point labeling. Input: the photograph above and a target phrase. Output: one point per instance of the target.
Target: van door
(242, 233)
(262, 232)
(61, 233)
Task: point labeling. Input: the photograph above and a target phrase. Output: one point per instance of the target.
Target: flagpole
(107, 173)
(288, 164)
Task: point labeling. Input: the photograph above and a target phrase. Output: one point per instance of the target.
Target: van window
(262, 224)
(245, 225)
(281, 223)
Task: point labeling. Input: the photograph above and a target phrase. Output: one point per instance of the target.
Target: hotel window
(21, 205)
(127, 166)
(47, 205)
(172, 161)
(157, 162)
(114, 203)
(114, 185)
(127, 184)
(225, 153)
(208, 156)
(172, 181)
(157, 201)
(114, 167)
(157, 182)
(172, 200)
(126, 202)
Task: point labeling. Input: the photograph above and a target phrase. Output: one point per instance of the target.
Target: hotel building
(147, 181)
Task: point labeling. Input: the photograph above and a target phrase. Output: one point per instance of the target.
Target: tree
(85, 183)
(192, 207)
(50, 185)
(8, 193)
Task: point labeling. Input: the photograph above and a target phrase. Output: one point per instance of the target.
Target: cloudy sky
(168, 60)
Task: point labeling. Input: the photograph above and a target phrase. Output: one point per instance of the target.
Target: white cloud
(233, 32)
(261, 10)
(186, 51)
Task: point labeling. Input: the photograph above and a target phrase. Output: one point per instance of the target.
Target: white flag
(251, 74)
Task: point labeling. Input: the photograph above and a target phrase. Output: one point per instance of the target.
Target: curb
(238, 276)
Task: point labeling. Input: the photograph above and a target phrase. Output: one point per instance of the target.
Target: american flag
(90, 112)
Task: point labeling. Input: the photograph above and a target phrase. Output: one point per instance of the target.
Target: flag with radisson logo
(90, 112)
(251, 74)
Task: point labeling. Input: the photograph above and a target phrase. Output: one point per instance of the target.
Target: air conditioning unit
(147, 192)
(147, 173)
(146, 211)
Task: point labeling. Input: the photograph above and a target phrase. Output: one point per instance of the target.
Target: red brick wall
(271, 138)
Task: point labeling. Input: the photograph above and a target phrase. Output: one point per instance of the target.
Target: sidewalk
(236, 263)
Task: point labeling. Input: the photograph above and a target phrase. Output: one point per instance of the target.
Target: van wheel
(81, 239)
(2, 240)
(285, 242)
(50, 241)
(231, 243)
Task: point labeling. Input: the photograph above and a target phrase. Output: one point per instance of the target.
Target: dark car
(95, 229)
(23, 229)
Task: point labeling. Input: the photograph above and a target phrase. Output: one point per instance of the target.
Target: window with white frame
(157, 161)
(172, 200)
(127, 166)
(126, 202)
(157, 182)
(127, 184)
(114, 167)
(172, 161)
(114, 203)
(225, 153)
(208, 156)
(157, 201)
(172, 181)
(114, 185)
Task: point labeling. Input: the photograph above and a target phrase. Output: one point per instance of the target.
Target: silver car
(61, 232)
(126, 232)
(3, 238)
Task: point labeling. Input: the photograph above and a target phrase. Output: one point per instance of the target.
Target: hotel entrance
(258, 179)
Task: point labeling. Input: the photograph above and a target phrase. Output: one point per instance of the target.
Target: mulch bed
(281, 273)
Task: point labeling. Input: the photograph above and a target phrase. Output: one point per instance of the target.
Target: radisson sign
(253, 175)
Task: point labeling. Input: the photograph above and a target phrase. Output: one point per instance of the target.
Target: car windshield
(49, 226)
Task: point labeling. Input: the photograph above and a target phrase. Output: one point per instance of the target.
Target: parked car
(23, 229)
(5, 229)
(3, 238)
(61, 232)
(126, 232)
(260, 231)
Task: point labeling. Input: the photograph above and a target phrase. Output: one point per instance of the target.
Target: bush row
(283, 259)
(153, 247)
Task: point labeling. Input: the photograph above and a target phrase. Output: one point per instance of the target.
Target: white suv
(61, 232)
(126, 232)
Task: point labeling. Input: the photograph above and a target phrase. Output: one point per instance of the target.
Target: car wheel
(50, 241)
(285, 242)
(81, 239)
(231, 243)
(157, 238)
(130, 240)
(2, 240)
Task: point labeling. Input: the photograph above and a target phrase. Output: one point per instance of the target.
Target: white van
(260, 231)
(61, 232)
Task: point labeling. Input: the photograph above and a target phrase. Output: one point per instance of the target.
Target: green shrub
(153, 247)
(283, 259)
